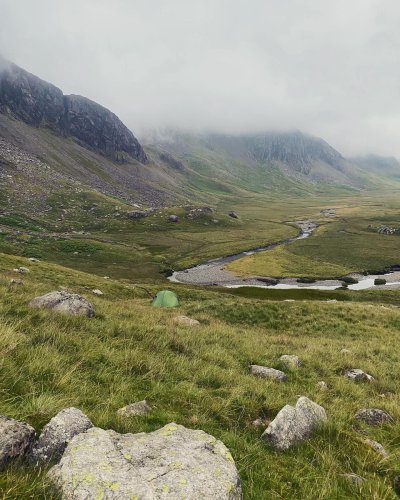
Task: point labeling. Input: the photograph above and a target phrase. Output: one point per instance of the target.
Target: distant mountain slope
(41, 104)
(268, 161)
(387, 166)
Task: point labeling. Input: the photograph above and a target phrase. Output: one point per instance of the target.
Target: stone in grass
(294, 424)
(291, 360)
(186, 321)
(21, 269)
(353, 479)
(321, 385)
(396, 484)
(377, 447)
(358, 375)
(57, 433)
(15, 439)
(13, 281)
(138, 409)
(62, 301)
(172, 462)
(97, 292)
(373, 416)
(264, 372)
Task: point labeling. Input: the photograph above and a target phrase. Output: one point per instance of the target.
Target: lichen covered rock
(65, 302)
(15, 439)
(172, 462)
(294, 424)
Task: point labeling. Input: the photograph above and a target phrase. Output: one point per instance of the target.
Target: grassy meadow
(200, 377)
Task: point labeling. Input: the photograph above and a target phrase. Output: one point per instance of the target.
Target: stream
(213, 272)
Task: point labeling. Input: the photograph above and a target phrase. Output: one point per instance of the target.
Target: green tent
(165, 298)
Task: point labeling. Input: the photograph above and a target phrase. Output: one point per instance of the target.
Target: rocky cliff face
(38, 103)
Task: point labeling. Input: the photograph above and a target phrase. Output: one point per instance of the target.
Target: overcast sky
(330, 68)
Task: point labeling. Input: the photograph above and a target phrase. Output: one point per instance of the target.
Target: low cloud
(328, 68)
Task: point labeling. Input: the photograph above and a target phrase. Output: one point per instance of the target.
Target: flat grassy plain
(347, 243)
(200, 377)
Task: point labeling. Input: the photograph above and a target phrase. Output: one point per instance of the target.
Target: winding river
(213, 272)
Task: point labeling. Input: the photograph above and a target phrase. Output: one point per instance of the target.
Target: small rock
(291, 360)
(185, 321)
(138, 409)
(260, 422)
(172, 462)
(373, 416)
(98, 292)
(22, 270)
(57, 433)
(345, 351)
(13, 281)
(173, 218)
(358, 375)
(15, 439)
(265, 372)
(233, 214)
(33, 259)
(66, 302)
(396, 484)
(294, 424)
(106, 277)
(354, 479)
(377, 447)
(321, 385)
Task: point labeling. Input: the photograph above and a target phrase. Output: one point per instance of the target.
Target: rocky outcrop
(57, 433)
(41, 104)
(172, 462)
(65, 302)
(294, 424)
(15, 439)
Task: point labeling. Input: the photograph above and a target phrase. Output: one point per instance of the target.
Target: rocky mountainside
(381, 165)
(267, 160)
(41, 104)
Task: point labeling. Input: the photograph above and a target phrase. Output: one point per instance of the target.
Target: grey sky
(330, 68)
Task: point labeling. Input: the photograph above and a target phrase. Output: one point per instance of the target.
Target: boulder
(97, 292)
(264, 372)
(373, 416)
(291, 360)
(138, 409)
(65, 302)
(294, 424)
(377, 447)
(15, 439)
(57, 433)
(172, 462)
(358, 375)
(185, 321)
(353, 479)
(173, 218)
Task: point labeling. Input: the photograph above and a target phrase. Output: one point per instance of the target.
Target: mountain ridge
(41, 104)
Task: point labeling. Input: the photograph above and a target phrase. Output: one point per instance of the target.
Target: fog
(327, 68)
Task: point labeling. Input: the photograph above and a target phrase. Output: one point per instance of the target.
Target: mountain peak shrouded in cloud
(327, 68)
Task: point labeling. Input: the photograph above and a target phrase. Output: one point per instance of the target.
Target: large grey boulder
(358, 375)
(65, 302)
(294, 424)
(15, 439)
(57, 433)
(373, 416)
(265, 372)
(172, 462)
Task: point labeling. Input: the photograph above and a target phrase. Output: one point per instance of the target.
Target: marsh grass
(200, 377)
